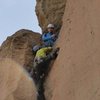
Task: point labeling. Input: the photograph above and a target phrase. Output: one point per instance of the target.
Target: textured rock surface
(50, 11)
(76, 72)
(15, 83)
(19, 47)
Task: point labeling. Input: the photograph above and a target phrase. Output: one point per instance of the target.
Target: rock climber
(40, 69)
(50, 37)
(43, 54)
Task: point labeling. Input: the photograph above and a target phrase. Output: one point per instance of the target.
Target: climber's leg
(40, 89)
(40, 96)
(40, 85)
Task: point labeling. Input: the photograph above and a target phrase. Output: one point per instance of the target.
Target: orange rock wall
(75, 74)
(15, 83)
(19, 47)
(50, 11)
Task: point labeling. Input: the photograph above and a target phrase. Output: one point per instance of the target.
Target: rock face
(15, 84)
(76, 71)
(19, 47)
(50, 11)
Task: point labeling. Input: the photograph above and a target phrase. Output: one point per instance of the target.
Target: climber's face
(50, 29)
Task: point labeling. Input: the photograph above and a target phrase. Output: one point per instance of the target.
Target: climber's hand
(55, 53)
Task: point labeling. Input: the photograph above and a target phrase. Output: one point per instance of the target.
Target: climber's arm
(47, 37)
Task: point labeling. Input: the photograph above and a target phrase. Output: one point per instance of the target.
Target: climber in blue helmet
(50, 37)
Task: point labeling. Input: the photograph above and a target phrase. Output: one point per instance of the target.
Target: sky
(16, 15)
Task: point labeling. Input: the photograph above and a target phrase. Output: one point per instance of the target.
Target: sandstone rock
(76, 71)
(50, 11)
(15, 83)
(19, 47)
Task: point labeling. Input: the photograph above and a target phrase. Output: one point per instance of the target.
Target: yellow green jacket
(41, 53)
